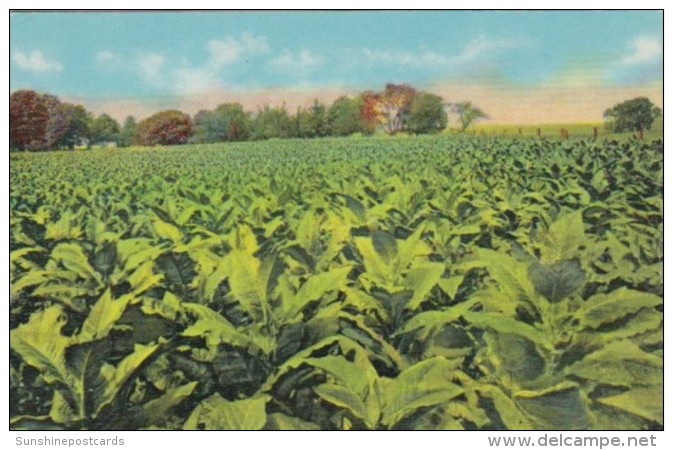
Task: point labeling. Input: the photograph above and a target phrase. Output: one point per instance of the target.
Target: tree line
(43, 122)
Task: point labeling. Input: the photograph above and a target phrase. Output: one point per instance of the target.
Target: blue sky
(161, 57)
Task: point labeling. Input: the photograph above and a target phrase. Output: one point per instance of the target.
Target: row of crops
(425, 283)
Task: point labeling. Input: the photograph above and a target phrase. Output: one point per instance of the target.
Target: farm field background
(430, 282)
(553, 130)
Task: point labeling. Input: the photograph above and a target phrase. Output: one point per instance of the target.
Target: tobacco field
(427, 283)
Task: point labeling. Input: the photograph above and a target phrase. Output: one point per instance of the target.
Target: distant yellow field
(553, 130)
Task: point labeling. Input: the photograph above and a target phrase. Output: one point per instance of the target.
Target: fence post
(519, 131)
(640, 134)
(539, 132)
(595, 132)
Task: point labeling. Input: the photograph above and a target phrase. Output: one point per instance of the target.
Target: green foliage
(637, 114)
(228, 122)
(104, 129)
(425, 283)
(427, 114)
(273, 122)
(127, 131)
(344, 117)
(468, 114)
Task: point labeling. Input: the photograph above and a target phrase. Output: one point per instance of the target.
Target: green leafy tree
(317, 119)
(467, 114)
(637, 114)
(68, 125)
(228, 122)
(427, 114)
(104, 129)
(128, 130)
(344, 117)
(273, 123)
(170, 127)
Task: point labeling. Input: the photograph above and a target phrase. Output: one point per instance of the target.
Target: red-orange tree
(28, 117)
(170, 127)
(390, 108)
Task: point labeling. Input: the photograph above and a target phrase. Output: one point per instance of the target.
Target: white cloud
(480, 49)
(191, 80)
(483, 47)
(106, 57)
(224, 52)
(151, 67)
(421, 58)
(643, 49)
(299, 61)
(36, 62)
(181, 76)
(255, 44)
(230, 49)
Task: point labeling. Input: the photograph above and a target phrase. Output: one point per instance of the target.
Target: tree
(170, 127)
(76, 126)
(636, 114)
(344, 117)
(68, 124)
(427, 114)
(127, 132)
(273, 123)
(468, 113)
(104, 129)
(317, 119)
(28, 117)
(390, 108)
(228, 122)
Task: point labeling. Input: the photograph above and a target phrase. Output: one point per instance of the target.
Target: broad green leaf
(243, 240)
(512, 278)
(559, 408)
(357, 376)
(385, 245)
(102, 317)
(156, 410)
(607, 308)
(428, 322)
(412, 248)
(426, 383)
(342, 397)
(244, 280)
(144, 278)
(620, 363)
(647, 402)
(41, 344)
(557, 280)
(315, 287)
(377, 269)
(73, 258)
(506, 325)
(216, 413)
(117, 377)
(178, 270)
(516, 358)
(510, 414)
(420, 280)
(451, 285)
(283, 422)
(167, 231)
(563, 238)
(213, 327)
